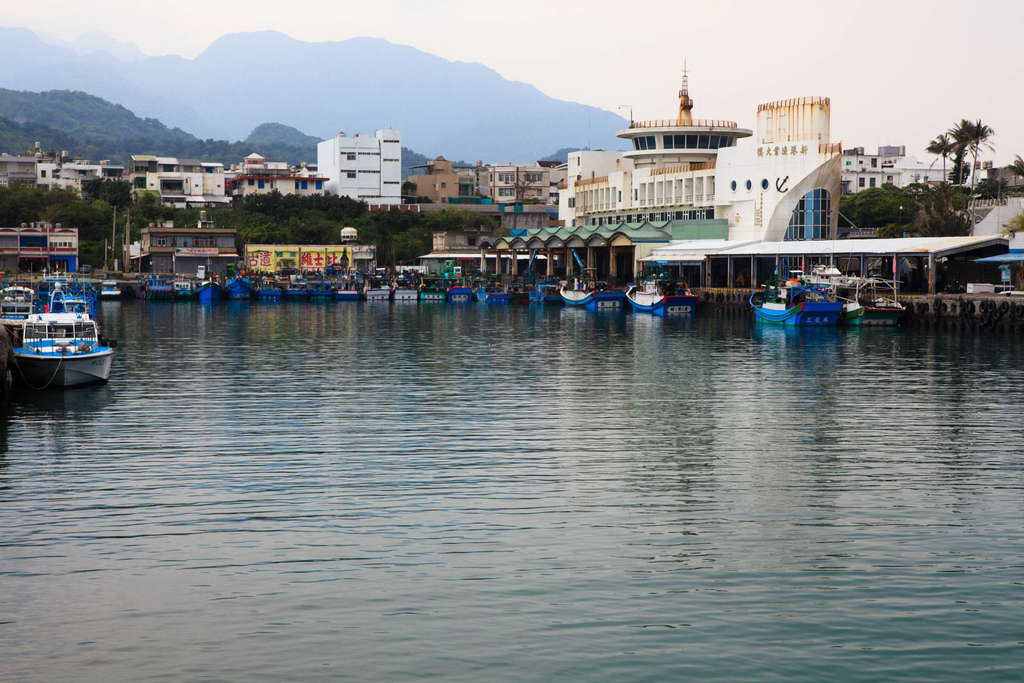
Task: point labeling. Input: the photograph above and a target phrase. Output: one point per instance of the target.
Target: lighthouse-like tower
(685, 117)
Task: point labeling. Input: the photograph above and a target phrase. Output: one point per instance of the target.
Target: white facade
(889, 166)
(256, 175)
(180, 183)
(365, 168)
(518, 183)
(691, 169)
(69, 174)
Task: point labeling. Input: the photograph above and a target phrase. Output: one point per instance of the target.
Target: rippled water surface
(314, 492)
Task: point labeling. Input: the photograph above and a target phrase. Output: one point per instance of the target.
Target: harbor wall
(959, 311)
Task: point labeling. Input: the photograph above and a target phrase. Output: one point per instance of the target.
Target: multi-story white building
(518, 183)
(889, 166)
(69, 174)
(256, 175)
(780, 185)
(181, 183)
(365, 168)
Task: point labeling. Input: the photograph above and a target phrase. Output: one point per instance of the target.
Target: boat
(268, 291)
(348, 289)
(660, 296)
(184, 290)
(297, 290)
(583, 292)
(64, 300)
(210, 292)
(321, 291)
(796, 302)
(17, 302)
(459, 293)
(433, 289)
(61, 350)
(110, 290)
(158, 289)
(239, 288)
(545, 293)
(377, 288)
(405, 288)
(867, 301)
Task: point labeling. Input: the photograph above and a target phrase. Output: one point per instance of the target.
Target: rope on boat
(46, 386)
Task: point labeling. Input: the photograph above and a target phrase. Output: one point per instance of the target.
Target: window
(764, 184)
(733, 185)
(506, 192)
(251, 182)
(572, 202)
(350, 156)
(319, 184)
(305, 184)
(871, 182)
(810, 219)
(42, 174)
(874, 162)
(533, 177)
(749, 185)
(668, 142)
(860, 182)
(651, 144)
(888, 178)
(261, 184)
(350, 174)
(160, 241)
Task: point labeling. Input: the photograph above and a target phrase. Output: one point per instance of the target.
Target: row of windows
(690, 215)
(750, 185)
(299, 184)
(645, 142)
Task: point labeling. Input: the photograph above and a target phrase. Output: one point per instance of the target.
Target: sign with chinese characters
(273, 257)
(196, 251)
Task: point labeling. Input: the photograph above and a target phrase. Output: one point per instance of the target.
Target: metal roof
(693, 251)
(937, 246)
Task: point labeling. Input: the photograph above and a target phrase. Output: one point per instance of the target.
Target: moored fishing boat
(321, 291)
(61, 350)
(348, 289)
(297, 290)
(158, 289)
(17, 303)
(210, 292)
(433, 289)
(377, 288)
(405, 288)
(239, 288)
(867, 301)
(586, 293)
(660, 296)
(110, 290)
(184, 290)
(459, 293)
(545, 293)
(795, 303)
(268, 290)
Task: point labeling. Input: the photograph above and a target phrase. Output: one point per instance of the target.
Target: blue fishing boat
(297, 290)
(184, 290)
(268, 291)
(210, 292)
(796, 303)
(158, 289)
(348, 295)
(545, 293)
(17, 303)
(239, 288)
(459, 294)
(321, 291)
(596, 296)
(659, 296)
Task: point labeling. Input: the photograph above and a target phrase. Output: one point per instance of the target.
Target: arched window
(810, 219)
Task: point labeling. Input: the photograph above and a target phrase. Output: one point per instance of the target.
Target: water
(325, 492)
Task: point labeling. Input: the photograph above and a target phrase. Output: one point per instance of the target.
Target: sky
(897, 71)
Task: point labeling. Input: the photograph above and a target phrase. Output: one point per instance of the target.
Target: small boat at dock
(210, 292)
(459, 293)
(184, 290)
(377, 289)
(795, 303)
(297, 290)
(660, 296)
(62, 350)
(17, 303)
(546, 293)
(158, 289)
(269, 291)
(433, 289)
(596, 296)
(867, 301)
(110, 290)
(239, 288)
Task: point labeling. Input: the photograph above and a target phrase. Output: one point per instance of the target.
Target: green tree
(942, 146)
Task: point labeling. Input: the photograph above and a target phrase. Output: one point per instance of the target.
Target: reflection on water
(303, 492)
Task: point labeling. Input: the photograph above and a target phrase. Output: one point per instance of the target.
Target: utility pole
(113, 240)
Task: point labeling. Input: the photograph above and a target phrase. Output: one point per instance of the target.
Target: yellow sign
(270, 258)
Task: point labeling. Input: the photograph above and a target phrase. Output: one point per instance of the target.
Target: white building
(518, 183)
(365, 168)
(256, 175)
(889, 166)
(781, 184)
(181, 183)
(69, 174)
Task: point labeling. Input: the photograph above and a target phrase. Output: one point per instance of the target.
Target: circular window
(749, 184)
(733, 185)
(764, 184)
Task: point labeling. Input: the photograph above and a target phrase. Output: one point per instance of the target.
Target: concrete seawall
(959, 311)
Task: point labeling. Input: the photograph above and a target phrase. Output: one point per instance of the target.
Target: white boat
(109, 290)
(406, 294)
(61, 350)
(16, 303)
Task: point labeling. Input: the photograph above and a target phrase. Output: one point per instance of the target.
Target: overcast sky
(898, 71)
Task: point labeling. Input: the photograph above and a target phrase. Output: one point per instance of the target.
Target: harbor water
(463, 493)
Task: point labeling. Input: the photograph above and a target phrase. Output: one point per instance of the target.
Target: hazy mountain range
(458, 109)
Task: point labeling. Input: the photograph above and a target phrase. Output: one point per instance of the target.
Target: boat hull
(209, 294)
(675, 304)
(406, 294)
(575, 297)
(378, 294)
(432, 296)
(159, 294)
(869, 316)
(238, 290)
(460, 295)
(268, 294)
(54, 371)
(808, 313)
(348, 295)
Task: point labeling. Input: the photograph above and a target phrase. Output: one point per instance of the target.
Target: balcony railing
(675, 123)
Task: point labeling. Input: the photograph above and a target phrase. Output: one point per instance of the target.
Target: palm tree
(942, 146)
(961, 135)
(1018, 168)
(981, 137)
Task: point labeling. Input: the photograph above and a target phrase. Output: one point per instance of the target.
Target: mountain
(458, 109)
(92, 128)
(96, 41)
